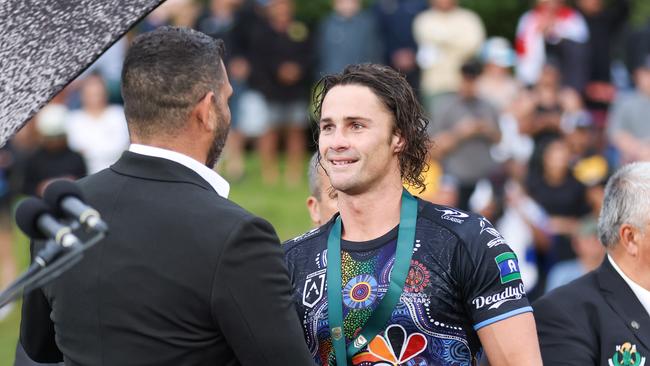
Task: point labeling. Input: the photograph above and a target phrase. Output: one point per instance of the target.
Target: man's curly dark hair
(399, 98)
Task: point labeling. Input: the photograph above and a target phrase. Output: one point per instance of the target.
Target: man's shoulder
(109, 183)
(467, 14)
(466, 226)
(630, 101)
(96, 180)
(312, 237)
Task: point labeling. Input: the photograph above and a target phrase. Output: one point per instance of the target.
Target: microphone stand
(38, 275)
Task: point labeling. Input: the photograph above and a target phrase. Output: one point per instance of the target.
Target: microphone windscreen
(27, 214)
(58, 190)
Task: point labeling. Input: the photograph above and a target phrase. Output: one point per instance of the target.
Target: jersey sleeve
(489, 275)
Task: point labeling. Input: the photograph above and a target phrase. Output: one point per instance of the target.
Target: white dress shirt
(217, 182)
(641, 293)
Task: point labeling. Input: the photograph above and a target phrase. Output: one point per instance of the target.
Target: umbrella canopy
(45, 44)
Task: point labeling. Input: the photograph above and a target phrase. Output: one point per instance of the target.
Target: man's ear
(203, 109)
(630, 239)
(398, 142)
(314, 210)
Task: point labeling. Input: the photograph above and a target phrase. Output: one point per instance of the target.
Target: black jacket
(592, 320)
(185, 277)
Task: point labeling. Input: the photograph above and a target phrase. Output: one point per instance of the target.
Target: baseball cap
(497, 50)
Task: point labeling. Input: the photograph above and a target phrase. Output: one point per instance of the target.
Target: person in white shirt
(98, 131)
(447, 36)
(603, 318)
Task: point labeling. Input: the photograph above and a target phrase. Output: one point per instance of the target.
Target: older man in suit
(603, 318)
(185, 277)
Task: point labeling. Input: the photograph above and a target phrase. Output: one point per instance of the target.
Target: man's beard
(219, 140)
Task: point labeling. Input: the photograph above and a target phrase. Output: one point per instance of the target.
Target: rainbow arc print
(392, 348)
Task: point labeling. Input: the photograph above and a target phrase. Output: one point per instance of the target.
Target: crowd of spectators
(524, 132)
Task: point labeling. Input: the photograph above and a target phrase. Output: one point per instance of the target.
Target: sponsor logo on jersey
(452, 215)
(496, 300)
(508, 267)
(626, 355)
(394, 347)
(486, 226)
(496, 241)
(312, 293)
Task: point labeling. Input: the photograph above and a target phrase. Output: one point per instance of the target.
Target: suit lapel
(154, 168)
(624, 302)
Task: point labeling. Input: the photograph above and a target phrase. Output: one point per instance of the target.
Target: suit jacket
(594, 320)
(185, 277)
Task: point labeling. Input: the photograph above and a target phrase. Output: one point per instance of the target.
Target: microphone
(66, 199)
(50, 252)
(35, 219)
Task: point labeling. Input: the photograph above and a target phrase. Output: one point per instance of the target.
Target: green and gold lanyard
(381, 315)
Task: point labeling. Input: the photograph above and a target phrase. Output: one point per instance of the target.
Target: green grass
(282, 206)
(9, 326)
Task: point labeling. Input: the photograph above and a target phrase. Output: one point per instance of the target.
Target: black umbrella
(45, 44)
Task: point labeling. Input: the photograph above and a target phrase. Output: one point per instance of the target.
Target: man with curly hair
(392, 279)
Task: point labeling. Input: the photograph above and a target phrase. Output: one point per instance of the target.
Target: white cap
(497, 50)
(50, 121)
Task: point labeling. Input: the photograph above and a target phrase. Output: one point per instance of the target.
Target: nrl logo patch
(360, 341)
(312, 293)
(452, 215)
(626, 355)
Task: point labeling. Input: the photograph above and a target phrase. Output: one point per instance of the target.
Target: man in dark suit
(603, 318)
(185, 276)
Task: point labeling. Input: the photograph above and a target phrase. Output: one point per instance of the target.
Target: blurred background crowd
(533, 104)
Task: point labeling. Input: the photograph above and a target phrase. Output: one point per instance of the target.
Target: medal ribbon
(381, 315)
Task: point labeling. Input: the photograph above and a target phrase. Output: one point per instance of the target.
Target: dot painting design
(360, 292)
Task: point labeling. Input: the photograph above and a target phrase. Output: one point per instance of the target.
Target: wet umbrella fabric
(45, 44)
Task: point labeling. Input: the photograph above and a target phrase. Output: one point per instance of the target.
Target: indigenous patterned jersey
(463, 276)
